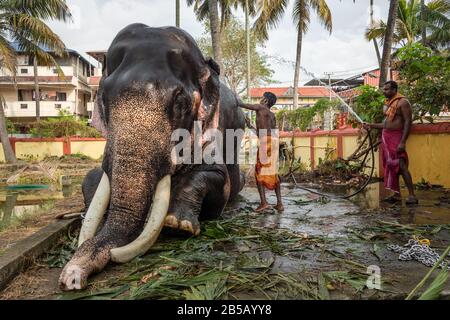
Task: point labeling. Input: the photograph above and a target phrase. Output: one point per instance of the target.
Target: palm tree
(416, 20)
(375, 43)
(388, 39)
(271, 12)
(208, 10)
(423, 18)
(214, 22)
(22, 21)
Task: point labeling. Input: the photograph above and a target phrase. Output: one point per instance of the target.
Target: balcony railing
(28, 71)
(28, 108)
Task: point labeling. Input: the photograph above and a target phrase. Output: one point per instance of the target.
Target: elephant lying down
(155, 81)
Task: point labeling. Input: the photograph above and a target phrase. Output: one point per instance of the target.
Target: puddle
(305, 212)
(311, 214)
(17, 204)
(431, 210)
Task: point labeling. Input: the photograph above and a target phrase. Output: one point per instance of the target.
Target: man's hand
(401, 148)
(248, 122)
(367, 126)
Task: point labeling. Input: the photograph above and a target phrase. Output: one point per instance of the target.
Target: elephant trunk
(138, 164)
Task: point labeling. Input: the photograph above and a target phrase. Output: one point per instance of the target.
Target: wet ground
(319, 248)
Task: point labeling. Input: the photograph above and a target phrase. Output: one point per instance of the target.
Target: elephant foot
(183, 222)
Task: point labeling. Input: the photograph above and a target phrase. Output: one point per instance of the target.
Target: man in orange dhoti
(396, 128)
(266, 172)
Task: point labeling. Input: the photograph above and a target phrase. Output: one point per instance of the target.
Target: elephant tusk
(152, 228)
(96, 210)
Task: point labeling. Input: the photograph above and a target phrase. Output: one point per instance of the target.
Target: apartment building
(69, 91)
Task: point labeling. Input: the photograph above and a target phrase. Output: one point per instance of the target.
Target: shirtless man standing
(265, 124)
(396, 128)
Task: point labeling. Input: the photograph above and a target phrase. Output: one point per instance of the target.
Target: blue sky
(344, 52)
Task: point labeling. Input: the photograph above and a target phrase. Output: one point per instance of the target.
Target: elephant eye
(181, 101)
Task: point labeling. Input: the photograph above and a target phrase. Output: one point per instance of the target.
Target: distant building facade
(67, 92)
(307, 96)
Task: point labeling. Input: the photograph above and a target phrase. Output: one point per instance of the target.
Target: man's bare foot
(279, 207)
(263, 207)
(392, 199)
(412, 200)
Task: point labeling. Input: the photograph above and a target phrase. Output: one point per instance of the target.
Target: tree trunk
(247, 32)
(375, 43)
(297, 67)
(388, 39)
(10, 157)
(37, 90)
(177, 13)
(423, 26)
(214, 21)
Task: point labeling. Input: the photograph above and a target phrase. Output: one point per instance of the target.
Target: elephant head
(156, 80)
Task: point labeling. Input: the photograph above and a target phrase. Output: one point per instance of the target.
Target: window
(58, 106)
(23, 106)
(23, 71)
(23, 60)
(55, 71)
(25, 95)
(61, 96)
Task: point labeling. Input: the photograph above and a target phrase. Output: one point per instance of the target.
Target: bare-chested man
(265, 124)
(396, 128)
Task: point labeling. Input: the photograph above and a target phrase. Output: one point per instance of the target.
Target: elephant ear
(210, 93)
(98, 114)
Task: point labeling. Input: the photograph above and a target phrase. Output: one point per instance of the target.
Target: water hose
(360, 189)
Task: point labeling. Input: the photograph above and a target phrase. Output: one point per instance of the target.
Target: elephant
(155, 80)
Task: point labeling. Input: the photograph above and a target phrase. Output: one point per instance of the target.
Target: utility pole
(372, 22)
(177, 13)
(329, 74)
(330, 112)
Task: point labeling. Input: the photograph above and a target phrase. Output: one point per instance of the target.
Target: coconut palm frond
(323, 13)
(440, 36)
(441, 6)
(270, 13)
(23, 26)
(7, 55)
(40, 9)
(26, 45)
(301, 15)
(377, 31)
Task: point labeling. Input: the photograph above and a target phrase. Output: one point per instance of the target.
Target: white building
(69, 91)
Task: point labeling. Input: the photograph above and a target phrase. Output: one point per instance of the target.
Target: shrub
(64, 126)
(369, 105)
(425, 80)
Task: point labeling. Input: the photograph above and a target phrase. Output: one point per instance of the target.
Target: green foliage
(302, 118)
(369, 105)
(66, 125)
(11, 127)
(426, 79)
(234, 56)
(25, 23)
(409, 24)
(436, 287)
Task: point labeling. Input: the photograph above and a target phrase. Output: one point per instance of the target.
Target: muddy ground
(317, 249)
